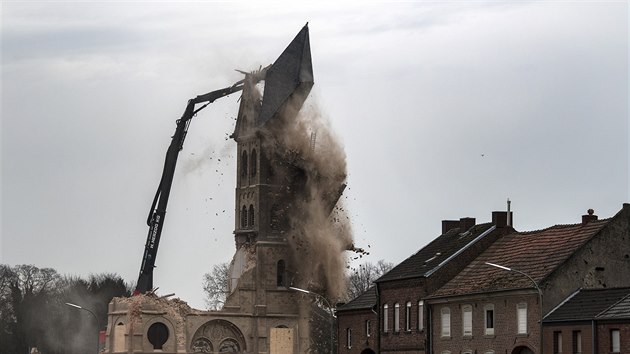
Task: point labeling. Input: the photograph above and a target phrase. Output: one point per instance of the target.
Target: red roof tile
(536, 253)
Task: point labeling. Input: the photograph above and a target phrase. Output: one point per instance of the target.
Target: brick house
(485, 309)
(357, 325)
(401, 291)
(590, 321)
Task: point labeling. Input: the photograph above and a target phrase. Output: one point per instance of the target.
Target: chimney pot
(465, 224)
(590, 216)
(500, 218)
(448, 225)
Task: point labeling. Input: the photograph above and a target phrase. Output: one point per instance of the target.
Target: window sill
(489, 336)
(522, 335)
(467, 336)
(445, 337)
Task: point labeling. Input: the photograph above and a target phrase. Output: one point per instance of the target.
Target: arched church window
(244, 217)
(254, 158)
(251, 217)
(244, 164)
(281, 273)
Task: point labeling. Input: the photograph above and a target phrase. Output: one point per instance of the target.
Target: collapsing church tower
(288, 232)
(278, 187)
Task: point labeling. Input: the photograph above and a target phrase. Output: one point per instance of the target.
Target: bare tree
(364, 275)
(215, 285)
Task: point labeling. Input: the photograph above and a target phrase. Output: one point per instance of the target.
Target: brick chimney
(500, 218)
(448, 225)
(465, 224)
(589, 217)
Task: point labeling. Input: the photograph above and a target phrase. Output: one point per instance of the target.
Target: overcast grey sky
(445, 110)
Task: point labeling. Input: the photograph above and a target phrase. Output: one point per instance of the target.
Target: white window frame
(385, 318)
(445, 322)
(577, 339)
(521, 318)
(557, 341)
(489, 331)
(615, 341)
(420, 315)
(467, 314)
(396, 317)
(349, 338)
(408, 316)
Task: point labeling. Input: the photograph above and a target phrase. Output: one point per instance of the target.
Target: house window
(408, 317)
(244, 217)
(521, 316)
(489, 325)
(577, 342)
(467, 321)
(446, 322)
(244, 164)
(348, 338)
(251, 217)
(489, 351)
(615, 343)
(420, 315)
(368, 328)
(254, 158)
(557, 342)
(396, 317)
(385, 318)
(281, 271)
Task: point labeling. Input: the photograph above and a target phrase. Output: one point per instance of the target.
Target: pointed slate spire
(289, 80)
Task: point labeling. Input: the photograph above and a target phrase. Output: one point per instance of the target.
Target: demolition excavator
(288, 79)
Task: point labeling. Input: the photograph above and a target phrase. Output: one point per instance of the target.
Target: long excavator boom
(157, 213)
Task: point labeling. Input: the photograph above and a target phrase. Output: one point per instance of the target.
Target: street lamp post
(98, 324)
(332, 314)
(540, 298)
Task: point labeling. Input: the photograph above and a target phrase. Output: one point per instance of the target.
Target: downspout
(593, 337)
(429, 329)
(378, 320)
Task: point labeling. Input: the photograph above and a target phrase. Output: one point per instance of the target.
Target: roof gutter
(492, 228)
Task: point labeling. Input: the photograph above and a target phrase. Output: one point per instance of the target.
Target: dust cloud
(319, 230)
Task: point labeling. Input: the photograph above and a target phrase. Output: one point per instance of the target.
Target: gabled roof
(365, 301)
(536, 253)
(620, 310)
(589, 304)
(433, 255)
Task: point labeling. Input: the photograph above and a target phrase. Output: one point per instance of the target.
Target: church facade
(261, 314)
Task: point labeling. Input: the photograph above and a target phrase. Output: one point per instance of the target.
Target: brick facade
(504, 336)
(363, 336)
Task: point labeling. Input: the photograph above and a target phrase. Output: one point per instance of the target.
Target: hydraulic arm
(157, 213)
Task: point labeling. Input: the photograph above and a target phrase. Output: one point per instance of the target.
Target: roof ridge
(562, 226)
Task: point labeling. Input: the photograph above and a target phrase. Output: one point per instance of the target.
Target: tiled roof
(620, 310)
(536, 253)
(432, 255)
(587, 304)
(367, 300)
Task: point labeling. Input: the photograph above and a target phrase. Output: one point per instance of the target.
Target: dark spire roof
(290, 78)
